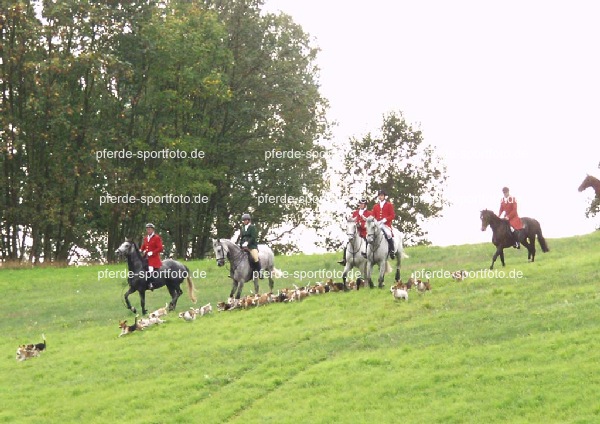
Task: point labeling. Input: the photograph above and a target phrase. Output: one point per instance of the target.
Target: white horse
(354, 250)
(377, 251)
(240, 270)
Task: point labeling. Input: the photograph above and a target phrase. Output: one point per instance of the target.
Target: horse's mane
(137, 249)
(138, 254)
(491, 213)
(231, 248)
(228, 242)
(492, 217)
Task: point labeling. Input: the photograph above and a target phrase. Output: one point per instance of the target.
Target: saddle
(254, 266)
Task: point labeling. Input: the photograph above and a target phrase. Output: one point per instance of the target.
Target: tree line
(81, 77)
(197, 92)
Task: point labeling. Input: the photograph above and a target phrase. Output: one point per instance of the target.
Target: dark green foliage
(397, 161)
(83, 78)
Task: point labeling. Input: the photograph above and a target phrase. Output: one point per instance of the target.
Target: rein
(230, 252)
(353, 249)
(376, 241)
(222, 258)
(130, 263)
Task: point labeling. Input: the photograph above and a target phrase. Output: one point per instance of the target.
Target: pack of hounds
(154, 318)
(286, 295)
(399, 291)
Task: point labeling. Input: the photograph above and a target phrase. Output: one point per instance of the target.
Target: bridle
(485, 221)
(128, 253)
(351, 237)
(221, 260)
(375, 242)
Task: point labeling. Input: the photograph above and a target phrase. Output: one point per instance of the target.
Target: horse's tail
(277, 273)
(191, 288)
(388, 267)
(400, 251)
(542, 241)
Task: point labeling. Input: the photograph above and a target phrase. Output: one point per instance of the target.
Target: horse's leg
(143, 301)
(234, 285)
(398, 262)
(347, 269)
(240, 286)
(502, 257)
(496, 254)
(271, 282)
(531, 248)
(368, 272)
(255, 283)
(382, 269)
(129, 291)
(175, 292)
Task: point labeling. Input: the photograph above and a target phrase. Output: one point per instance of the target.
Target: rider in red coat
(508, 205)
(152, 247)
(359, 215)
(384, 213)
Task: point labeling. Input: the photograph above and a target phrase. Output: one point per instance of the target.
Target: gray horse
(354, 251)
(377, 251)
(240, 271)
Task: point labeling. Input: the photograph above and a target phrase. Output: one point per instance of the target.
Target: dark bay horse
(502, 236)
(170, 274)
(588, 182)
(593, 182)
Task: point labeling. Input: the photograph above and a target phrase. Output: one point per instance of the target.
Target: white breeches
(387, 230)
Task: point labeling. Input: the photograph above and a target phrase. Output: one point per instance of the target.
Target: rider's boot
(258, 269)
(343, 261)
(363, 250)
(150, 279)
(517, 245)
(391, 248)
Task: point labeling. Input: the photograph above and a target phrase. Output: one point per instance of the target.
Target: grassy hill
(488, 349)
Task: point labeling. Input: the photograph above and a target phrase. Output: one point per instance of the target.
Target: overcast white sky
(508, 93)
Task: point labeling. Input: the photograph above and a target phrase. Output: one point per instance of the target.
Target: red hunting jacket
(360, 221)
(386, 212)
(155, 246)
(508, 205)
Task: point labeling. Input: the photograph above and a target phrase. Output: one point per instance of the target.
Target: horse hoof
(134, 310)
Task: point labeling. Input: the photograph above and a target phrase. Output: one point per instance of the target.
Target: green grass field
(488, 349)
